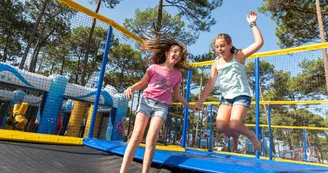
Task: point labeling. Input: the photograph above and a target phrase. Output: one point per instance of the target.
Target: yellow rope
(290, 127)
(303, 102)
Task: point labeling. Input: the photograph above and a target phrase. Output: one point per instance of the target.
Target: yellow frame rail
(99, 17)
(302, 102)
(273, 53)
(14, 135)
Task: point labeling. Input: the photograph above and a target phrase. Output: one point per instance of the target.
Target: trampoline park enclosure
(41, 112)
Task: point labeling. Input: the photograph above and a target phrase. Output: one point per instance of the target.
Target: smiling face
(173, 56)
(222, 47)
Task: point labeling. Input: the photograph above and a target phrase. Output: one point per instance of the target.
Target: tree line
(38, 36)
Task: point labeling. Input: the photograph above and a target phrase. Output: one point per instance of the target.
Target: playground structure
(56, 90)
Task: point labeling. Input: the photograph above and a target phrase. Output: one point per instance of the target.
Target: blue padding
(204, 161)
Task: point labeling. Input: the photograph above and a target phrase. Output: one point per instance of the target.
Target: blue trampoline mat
(204, 161)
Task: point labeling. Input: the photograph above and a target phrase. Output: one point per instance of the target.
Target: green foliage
(197, 12)
(106, 3)
(311, 81)
(68, 52)
(53, 26)
(145, 22)
(13, 27)
(296, 20)
(266, 72)
(126, 67)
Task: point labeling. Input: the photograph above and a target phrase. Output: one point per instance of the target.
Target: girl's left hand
(251, 17)
(192, 107)
(198, 106)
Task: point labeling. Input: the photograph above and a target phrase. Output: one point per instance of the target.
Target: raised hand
(251, 18)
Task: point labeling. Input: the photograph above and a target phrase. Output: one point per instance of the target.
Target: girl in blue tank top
(229, 66)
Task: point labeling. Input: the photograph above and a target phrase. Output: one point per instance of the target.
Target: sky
(230, 19)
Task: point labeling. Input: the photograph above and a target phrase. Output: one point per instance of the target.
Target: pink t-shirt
(161, 83)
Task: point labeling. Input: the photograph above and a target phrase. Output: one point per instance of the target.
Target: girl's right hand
(128, 93)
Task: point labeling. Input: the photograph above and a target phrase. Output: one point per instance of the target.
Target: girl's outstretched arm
(251, 19)
(128, 93)
(208, 87)
(177, 95)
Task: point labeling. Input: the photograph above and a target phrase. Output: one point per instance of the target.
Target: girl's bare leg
(238, 114)
(136, 138)
(155, 126)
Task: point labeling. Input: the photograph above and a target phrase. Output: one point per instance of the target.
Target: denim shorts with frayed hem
(239, 100)
(152, 108)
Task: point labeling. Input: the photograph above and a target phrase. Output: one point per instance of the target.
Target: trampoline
(99, 156)
(19, 157)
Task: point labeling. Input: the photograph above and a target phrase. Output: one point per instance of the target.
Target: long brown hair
(159, 46)
(227, 38)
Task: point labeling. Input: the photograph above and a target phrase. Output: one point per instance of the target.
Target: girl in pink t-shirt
(163, 78)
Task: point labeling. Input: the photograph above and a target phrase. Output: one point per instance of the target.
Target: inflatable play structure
(56, 91)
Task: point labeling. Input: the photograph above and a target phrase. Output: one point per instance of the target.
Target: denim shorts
(239, 100)
(152, 108)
